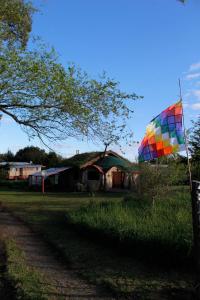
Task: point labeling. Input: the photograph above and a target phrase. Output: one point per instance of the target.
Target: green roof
(80, 159)
(112, 161)
(106, 163)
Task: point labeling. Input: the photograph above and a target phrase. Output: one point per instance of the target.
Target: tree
(194, 141)
(156, 180)
(50, 102)
(8, 156)
(33, 154)
(53, 160)
(15, 21)
(194, 148)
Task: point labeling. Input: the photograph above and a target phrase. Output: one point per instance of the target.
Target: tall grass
(162, 228)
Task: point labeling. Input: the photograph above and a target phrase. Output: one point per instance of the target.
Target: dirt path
(64, 280)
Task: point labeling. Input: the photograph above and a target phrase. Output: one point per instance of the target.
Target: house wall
(109, 177)
(130, 181)
(91, 185)
(62, 181)
(21, 173)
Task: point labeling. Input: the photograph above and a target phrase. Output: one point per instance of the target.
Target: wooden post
(43, 178)
(196, 231)
(42, 184)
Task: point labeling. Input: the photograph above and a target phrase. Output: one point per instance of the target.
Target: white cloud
(196, 93)
(195, 106)
(193, 76)
(194, 67)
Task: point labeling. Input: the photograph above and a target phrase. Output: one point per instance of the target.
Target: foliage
(33, 154)
(156, 180)
(52, 159)
(8, 156)
(194, 141)
(25, 279)
(195, 170)
(14, 185)
(15, 21)
(48, 101)
(194, 149)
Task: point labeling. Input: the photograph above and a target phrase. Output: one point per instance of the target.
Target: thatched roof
(79, 160)
(104, 160)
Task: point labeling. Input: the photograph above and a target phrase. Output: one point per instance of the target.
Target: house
(92, 171)
(18, 170)
(56, 179)
(109, 171)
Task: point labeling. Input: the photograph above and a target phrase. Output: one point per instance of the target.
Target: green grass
(26, 281)
(163, 229)
(123, 275)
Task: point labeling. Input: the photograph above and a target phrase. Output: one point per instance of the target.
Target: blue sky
(146, 45)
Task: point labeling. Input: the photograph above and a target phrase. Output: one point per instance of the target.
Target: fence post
(196, 230)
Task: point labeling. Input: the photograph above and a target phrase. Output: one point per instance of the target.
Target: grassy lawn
(163, 229)
(124, 275)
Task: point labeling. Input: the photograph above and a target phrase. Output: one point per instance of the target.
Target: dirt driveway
(66, 283)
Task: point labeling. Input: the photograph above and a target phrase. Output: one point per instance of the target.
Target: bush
(156, 180)
(14, 184)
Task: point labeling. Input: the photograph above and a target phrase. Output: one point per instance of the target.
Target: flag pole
(186, 138)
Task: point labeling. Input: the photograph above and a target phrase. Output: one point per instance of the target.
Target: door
(117, 179)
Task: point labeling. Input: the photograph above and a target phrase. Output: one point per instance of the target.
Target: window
(93, 175)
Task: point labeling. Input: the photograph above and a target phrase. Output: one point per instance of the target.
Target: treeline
(34, 155)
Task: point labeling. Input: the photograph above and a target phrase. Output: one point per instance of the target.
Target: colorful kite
(164, 134)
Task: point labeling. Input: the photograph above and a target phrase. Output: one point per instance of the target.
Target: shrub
(156, 180)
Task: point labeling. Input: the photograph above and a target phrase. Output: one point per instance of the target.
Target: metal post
(196, 230)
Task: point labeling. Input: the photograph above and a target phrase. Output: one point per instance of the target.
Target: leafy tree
(34, 154)
(48, 101)
(8, 156)
(15, 21)
(156, 180)
(53, 159)
(194, 141)
(38, 156)
(194, 148)
(53, 103)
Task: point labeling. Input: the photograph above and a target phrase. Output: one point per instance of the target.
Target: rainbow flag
(164, 134)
